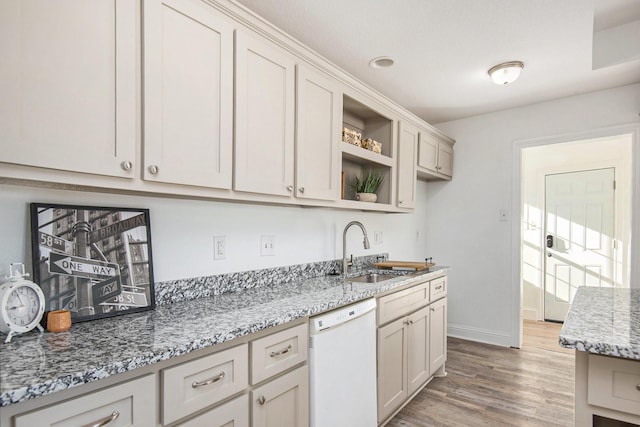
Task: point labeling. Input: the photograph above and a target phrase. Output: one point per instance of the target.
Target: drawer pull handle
(262, 400)
(208, 381)
(281, 352)
(438, 287)
(638, 387)
(106, 420)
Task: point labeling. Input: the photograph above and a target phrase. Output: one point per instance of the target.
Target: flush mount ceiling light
(381, 62)
(505, 73)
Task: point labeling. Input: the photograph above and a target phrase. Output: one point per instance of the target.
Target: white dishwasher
(342, 367)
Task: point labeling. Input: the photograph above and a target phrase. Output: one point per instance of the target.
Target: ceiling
(443, 48)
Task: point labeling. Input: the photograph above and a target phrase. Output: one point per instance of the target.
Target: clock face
(23, 306)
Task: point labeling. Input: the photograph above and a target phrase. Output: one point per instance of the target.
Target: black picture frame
(95, 262)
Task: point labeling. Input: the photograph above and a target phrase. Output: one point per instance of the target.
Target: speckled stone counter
(40, 364)
(604, 321)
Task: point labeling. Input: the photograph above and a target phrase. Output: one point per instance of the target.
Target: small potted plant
(366, 188)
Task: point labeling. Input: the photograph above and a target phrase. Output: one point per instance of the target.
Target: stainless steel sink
(371, 278)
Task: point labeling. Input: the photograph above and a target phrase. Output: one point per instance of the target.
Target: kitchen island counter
(603, 326)
(35, 364)
(604, 321)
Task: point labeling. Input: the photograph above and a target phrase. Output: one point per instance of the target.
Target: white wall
(182, 231)
(463, 223)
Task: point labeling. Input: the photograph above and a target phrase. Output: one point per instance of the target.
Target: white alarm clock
(21, 304)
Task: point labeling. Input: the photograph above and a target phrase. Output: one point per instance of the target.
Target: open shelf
(358, 161)
(356, 154)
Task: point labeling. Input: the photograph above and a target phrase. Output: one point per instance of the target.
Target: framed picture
(93, 261)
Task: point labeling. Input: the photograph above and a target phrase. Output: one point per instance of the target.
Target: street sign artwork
(55, 243)
(107, 289)
(118, 228)
(93, 261)
(82, 267)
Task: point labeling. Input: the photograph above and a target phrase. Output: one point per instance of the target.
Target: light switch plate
(268, 246)
(219, 247)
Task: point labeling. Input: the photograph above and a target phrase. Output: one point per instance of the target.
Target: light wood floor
(489, 385)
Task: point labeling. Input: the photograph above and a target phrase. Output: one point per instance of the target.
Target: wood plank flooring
(489, 385)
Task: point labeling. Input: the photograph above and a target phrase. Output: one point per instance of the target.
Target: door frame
(517, 200)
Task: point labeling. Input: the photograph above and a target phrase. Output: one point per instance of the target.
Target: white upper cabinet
(188, 96)
(68, 85)
(318, 130)
(407, 151)
(264, 121)
(435, 157)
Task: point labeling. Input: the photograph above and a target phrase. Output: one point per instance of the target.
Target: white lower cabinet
(437, 335)
(234, 413)
(282, 402)
(212, 389)
(412, 343)
(128, 404)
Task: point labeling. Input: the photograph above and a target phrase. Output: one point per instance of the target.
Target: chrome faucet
(345, 263)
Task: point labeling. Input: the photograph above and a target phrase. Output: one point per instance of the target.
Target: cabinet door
(437, 334)
(231, 414)
(68, 85)
(428, 152)
(188, 82)
(283, 402)
(319, 118)
(418, 349)
(264, 127)
(132, 403)
(407, 151)
(445, 159)
(392, 367)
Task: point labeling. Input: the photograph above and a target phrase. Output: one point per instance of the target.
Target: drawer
(400, 303)
(233, 413)
(614, 383)
(278, 352)
(128, 404)
(438, 288)
(202, 382)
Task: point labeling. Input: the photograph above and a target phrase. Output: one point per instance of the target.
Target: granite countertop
(604, 321)
(39, 364)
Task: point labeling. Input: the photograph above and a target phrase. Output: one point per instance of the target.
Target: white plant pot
(367, 197)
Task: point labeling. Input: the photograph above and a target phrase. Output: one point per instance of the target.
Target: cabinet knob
(289, 187)
(154, 169)
(262, 400)
(126, 165)
(301, 189)
(400, 202)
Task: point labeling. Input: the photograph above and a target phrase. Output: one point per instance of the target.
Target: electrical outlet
(268, 246)
(219, 247)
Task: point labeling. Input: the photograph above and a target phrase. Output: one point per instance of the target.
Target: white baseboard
(530, 314)
(480, 335)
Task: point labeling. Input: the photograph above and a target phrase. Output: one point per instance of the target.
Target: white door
(579, 236)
